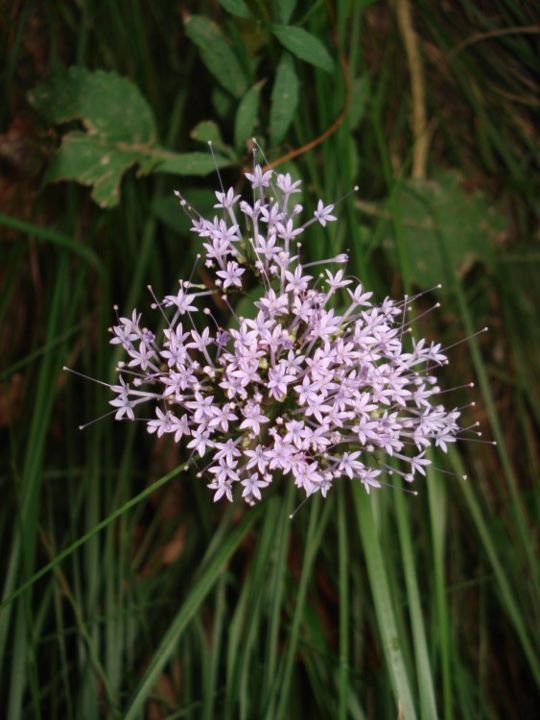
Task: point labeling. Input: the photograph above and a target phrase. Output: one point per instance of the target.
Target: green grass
(126, 593)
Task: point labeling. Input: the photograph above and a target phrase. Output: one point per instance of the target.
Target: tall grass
(127, 592)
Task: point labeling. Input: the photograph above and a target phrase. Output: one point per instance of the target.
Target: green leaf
(428, 705)
(207, 131)
(304, 45)
(443, 228)
(108, 105)
(120, 129)
(284, 99)
(217, 54)
(285, 9)
(120, 133)
(246, 115)
(390, 630)
(93, 162)
(192, 163)
(97, 162)
(237, 8)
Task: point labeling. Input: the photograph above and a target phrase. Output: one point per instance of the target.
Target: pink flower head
(316, 385)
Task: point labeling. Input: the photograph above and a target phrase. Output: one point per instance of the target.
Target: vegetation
(127, 592)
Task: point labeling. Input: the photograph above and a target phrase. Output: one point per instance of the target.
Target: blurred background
(154, 602)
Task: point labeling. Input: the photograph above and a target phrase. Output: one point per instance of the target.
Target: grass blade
(189, 607)
(386, 619)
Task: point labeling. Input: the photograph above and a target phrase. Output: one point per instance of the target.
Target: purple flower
(278, 379)
(252, 485)
(226, 200)
(122, 402)
(182, 301)
(324, 213)
(317, 385)
(163, 423)
(253, 417)
(141, 357)
(259, 178)
(287, 186)
(231, 275)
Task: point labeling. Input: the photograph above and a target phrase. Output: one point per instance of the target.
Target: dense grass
(128, 593)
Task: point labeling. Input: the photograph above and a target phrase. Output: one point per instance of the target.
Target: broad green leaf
(108, 105)
(120, 133)
(304, 45)
(120, 129)
(97, 162)
(237, 8)
(284, 99)
(192, 163)
(285, 9)
(246, 115)
(93, 162)
(217, 54)
(442, 227)
(208, 131)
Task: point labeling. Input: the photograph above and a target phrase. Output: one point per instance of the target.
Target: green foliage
(304, 45)
(126, 592)
(217, 54)
(284, 10)
(191, 163)
(284, 99)
(247, 114)
(120, 129)
(207, 131)
(445, 230)
(120, 133)
(236, 7)
(109, 106)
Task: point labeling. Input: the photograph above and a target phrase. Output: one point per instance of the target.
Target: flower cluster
(315, 385)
